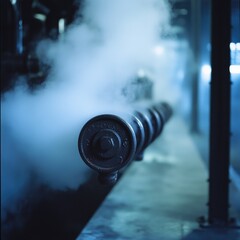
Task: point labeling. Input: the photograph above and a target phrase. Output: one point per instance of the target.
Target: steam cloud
(90, 64)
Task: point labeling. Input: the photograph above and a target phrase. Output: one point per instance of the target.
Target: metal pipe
(107, 143)
(16, 4)
(218, 213)
(195, 40)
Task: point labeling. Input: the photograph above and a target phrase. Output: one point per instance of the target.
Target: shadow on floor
(55, 214)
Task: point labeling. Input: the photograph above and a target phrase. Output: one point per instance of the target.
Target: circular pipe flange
(156, 122)
(148, 128)
(139, 132)
(107, 143)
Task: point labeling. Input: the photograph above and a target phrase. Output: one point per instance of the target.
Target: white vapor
(90, 64)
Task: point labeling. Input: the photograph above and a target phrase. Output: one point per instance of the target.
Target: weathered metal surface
(107, 142)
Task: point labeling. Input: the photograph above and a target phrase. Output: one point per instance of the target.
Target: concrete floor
(161, 197)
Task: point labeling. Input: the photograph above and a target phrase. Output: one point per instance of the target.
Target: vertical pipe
(219, 113)
(19, 26)
(195, 38)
